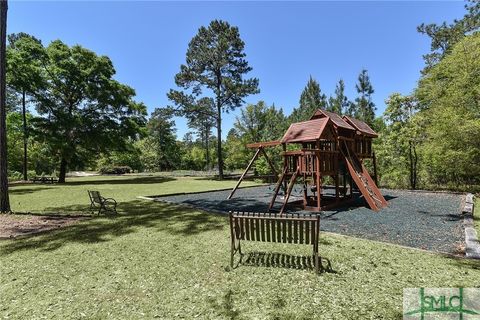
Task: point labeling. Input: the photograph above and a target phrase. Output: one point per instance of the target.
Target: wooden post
(318, 181)
(245, 172)
(374, 158)
(285, 164)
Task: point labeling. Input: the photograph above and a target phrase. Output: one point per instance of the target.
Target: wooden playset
(327, 145)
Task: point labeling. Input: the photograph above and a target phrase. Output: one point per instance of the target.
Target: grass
(162, 261)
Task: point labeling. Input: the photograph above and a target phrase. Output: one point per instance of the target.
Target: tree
(449, 98)
(202, 118)
(215, 60)
(363, 108)
(339, 103)
(4, 200)
(311, 99)
(82, 110)
(445, 36)
(404, 132)
(162, 133)
(24, 60)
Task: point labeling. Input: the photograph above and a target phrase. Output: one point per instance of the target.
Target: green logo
(438, 301)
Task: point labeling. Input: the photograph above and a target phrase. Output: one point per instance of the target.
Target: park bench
(273, 227)
(44, 179)
(101, 203)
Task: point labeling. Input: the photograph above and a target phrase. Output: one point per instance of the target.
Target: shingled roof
(336, 119)
(361, 126)
(310, 130)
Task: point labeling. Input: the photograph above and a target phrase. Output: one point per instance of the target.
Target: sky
(285, 42)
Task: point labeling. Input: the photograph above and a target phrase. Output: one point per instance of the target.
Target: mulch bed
(14, 225)
(430, 221)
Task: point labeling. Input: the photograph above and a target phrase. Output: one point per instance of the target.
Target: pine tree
(363, 108)
(311, 99)
(339, 103)
(215, 61)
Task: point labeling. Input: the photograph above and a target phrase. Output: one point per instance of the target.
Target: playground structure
(327, 145)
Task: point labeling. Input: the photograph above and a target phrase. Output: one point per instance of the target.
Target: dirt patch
(14, 225)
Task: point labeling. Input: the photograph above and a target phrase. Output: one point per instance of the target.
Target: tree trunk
(219, 140)
(25, 136)
(4, 200)
(207, 151)
(63, 170)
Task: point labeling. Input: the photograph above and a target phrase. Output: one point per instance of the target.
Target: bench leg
(316, 260)
(234, 249)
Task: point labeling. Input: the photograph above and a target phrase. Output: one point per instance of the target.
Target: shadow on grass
(282, 260)
(132, 215)
(20, 191)
(126, 180)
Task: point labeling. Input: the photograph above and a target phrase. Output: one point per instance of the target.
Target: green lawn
(161, 261)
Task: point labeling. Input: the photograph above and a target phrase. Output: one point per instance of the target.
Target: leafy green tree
(363, 108)
(404, 133)
(82, 110)
(449, 97)
(25, 54)
(161, 128)
(4, 199)
(338, 103)
(445, 36)
(311, 99)
(215, 61)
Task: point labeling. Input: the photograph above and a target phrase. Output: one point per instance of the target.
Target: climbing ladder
(362, 179)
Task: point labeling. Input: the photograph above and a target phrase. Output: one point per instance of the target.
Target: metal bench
(101, 203)
(273, 227)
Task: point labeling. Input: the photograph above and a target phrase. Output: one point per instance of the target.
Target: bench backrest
(273, 227)
(95, 196)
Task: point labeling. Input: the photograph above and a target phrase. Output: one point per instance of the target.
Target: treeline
(66, 112)
(431, 138)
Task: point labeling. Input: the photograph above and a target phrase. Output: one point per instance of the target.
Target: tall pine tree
(363, 108)
(311, 99)
(215, 61)
(338, 103)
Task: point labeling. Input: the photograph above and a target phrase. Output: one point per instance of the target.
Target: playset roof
(336, 119)
(361, 126)
(305, 131)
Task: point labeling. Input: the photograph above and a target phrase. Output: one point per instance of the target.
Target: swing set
(327, 145)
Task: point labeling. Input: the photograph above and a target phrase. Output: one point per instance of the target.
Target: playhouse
(328, 146)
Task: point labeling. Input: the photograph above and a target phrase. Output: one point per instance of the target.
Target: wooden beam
(289, 189)
(277, 188)
(264, 144)
(245, 172)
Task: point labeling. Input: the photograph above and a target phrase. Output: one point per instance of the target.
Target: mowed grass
(156, 260)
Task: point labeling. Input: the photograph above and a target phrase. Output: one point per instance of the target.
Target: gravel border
(472, 245)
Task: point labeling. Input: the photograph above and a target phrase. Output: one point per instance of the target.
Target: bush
(115, 170)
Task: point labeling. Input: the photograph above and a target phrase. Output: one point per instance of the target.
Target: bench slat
(252, 229)
(257, 229)
(295, 231)
(267, 227)
(313, 229)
